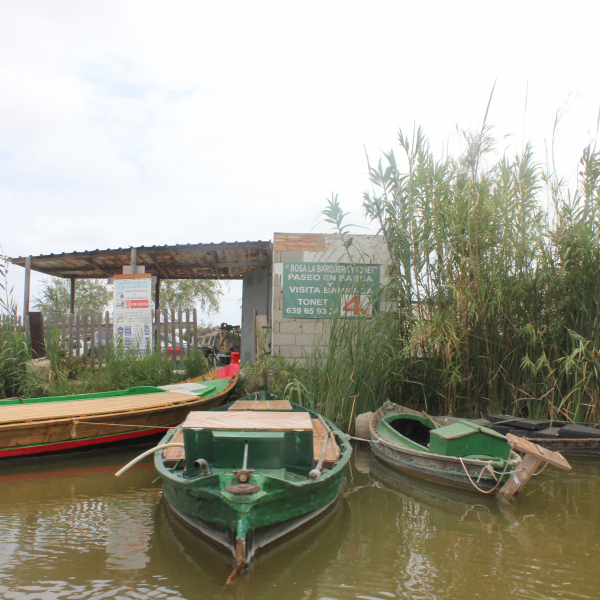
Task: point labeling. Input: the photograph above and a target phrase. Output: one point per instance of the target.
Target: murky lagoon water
(70, 529)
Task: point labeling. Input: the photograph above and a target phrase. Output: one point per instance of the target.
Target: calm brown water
(71, 530)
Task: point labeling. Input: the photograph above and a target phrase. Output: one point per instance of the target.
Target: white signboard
(132, 319)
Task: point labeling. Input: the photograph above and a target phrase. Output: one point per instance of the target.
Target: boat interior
(459, 439)
(414, 430)
(259, 436)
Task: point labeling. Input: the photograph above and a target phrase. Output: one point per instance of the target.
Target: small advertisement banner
(321, 290)
(132, 319)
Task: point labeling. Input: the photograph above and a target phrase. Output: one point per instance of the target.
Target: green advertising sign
(314, 290)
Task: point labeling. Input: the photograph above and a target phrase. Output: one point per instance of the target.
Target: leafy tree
(91, 295)
(188, 293)
(96, 295)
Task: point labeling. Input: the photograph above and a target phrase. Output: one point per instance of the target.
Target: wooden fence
(174, 331)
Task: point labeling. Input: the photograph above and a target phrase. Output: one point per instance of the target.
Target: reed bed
(493, 300)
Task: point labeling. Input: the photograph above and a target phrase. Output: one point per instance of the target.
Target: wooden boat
(249, 472)
(462, 455)
(37, 426)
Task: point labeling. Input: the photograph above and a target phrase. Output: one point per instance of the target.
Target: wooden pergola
(227, 261)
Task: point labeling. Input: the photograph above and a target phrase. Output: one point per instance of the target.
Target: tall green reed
(493, 298)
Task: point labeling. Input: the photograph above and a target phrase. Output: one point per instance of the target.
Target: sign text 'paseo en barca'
(313, 290)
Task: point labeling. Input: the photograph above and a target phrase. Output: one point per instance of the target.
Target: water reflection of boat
(188, 559)
(459, 505)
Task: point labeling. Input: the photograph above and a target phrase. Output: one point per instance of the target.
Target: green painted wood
(129, 392)
(286, 493)
(463, 439)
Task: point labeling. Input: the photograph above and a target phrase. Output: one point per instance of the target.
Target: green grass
(68, 375)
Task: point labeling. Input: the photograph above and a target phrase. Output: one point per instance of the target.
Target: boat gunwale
(345, 454)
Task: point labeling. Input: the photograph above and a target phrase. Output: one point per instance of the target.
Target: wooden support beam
(98, 267)
(216, 261)
(153, 263)
(72, 295)
(157, 294)
(110, 271)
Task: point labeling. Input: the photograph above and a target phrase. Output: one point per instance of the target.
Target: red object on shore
(231, 369)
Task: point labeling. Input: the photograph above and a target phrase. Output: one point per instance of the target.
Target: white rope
(144, 454)
(499, 481)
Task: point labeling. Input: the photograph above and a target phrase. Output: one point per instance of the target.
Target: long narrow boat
(251, 471)
(462, 455)
(38, 426)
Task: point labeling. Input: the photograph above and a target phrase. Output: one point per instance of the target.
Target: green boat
(462, 455)
(249, 472)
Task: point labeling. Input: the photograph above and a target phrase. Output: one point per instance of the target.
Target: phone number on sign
(305, 311)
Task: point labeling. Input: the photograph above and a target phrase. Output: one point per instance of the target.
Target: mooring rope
(498, 482)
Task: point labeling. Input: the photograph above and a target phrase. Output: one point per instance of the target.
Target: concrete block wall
(295, 339)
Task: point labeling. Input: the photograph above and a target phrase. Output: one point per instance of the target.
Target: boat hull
(430, 469)
(29, 439)
(449, 471)
(255, 539)
(243, 524)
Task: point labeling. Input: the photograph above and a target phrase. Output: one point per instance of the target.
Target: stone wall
(295, 338)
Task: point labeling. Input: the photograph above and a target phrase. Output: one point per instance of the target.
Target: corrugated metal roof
(227, 260)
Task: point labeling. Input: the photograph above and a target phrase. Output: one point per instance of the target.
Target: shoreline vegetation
(492, 303)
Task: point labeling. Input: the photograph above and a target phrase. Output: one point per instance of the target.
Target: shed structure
(259, 264)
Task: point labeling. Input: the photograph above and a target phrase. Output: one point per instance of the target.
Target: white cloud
(161, 122)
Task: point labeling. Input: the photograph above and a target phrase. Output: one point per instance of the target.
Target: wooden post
(107, 331)
(70, 335)
(255, 338)
(157, 293)
(93, 339)
(85, 324)
(195, 338)
(180, 325)
(166, 331)
(77, 335)
(173, 339)
(27, 294)
(72, 295)
(63, 331)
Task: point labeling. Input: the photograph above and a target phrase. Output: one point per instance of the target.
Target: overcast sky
(129, 123)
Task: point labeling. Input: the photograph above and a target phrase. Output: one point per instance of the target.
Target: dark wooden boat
(38, 426)
(567, 438)
(462, 454)
(252, 471)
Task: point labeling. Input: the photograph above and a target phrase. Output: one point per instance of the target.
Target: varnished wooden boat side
(23, 438)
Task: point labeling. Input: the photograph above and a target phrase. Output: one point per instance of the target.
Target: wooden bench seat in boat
(320, 432)
(249, 421)
(92, 407)
(278, 405)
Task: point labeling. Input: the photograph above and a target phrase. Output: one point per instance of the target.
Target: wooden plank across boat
(462, 454)
(248, 476)
(37, 426)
